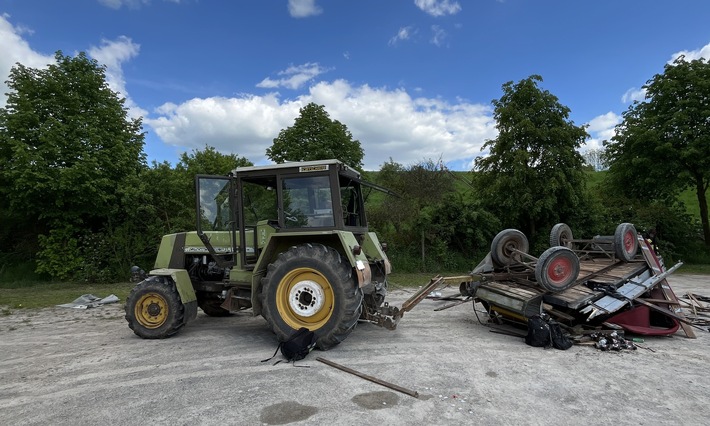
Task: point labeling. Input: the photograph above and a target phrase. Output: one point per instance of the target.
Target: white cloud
(690, 55)
(113, 53)
(438, 35)
(438, 7)
(388, 123)
(303, 8)
(130, 4)
(601, 128)
(14, 49)
(117, 4)
(634, 94)
(404, 33)
(294, 76)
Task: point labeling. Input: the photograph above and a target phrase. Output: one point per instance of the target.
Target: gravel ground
(60, 366)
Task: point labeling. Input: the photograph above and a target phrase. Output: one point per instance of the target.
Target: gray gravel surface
(66, 367)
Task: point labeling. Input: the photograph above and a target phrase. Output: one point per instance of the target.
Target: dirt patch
(62, 366)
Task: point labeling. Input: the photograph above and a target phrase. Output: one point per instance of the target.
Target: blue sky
(412, 79)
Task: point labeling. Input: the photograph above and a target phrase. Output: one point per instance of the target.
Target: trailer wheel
(154, 309)
(561, 235)
(557, 269)
(503, 244)
(311, 286)
(626, 242)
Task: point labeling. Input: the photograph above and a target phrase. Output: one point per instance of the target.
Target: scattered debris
(613, 341)
(87, 301)
(700, 307)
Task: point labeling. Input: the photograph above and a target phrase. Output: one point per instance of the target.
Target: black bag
(300, 344)
(546, 333)
(559, 339)
(297, 346)
(538, 332)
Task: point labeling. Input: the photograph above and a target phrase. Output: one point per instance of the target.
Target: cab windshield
(307, 202)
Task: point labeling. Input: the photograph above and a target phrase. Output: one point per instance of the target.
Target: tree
(209, 162)
(314, 136)
(533, 175)
(663, 144)
(595, 159)
(69, 157)
(429, 225)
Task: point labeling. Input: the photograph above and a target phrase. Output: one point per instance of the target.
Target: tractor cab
(239, 212)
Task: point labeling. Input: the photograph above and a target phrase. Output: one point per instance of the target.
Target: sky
(413, 80)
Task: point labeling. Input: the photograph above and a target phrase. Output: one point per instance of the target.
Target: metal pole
(370, 378)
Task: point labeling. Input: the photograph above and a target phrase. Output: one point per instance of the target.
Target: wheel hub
(151, 310)
(306, 298)
(629, 242)
(559, 270)
(154, 309)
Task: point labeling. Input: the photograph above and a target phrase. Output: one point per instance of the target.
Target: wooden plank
(666, 289)
(668, 302)
(573, 297)
(513, 289)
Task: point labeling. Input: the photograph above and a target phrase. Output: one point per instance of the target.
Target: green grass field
(43, 294)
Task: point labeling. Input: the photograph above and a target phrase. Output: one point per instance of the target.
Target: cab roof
(302, 166)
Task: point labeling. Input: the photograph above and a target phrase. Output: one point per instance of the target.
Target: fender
(184, 287)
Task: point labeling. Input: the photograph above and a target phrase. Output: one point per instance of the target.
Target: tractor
(289, 241)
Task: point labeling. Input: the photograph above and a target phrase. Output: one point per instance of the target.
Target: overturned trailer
(615, 279)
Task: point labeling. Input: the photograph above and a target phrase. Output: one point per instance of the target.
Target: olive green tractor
(288, 241)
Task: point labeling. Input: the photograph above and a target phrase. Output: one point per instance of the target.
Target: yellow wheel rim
(304, 298)
(151, 310)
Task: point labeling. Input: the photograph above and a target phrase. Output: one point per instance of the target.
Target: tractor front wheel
(311, 286)
(154, 309)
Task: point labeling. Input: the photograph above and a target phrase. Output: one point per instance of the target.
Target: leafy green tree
(314, 136)
(533, 176)
(595, 159)
(663, 144)
(431, 225)
(206, 162)
(419, 185)
(69, 158)
(209, 162)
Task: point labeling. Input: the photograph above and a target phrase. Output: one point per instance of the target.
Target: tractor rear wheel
(557, 269)
(154, 309)
(311, 286)
(626, 242)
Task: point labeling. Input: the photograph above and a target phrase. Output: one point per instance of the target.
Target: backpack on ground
(543, 332)
(538, 332)
(558, 337)
(297, 346)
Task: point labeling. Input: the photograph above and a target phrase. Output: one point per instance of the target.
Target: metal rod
(415, 394)
(451, 305)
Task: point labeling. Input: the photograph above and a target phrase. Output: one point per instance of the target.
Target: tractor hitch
(388, 316)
